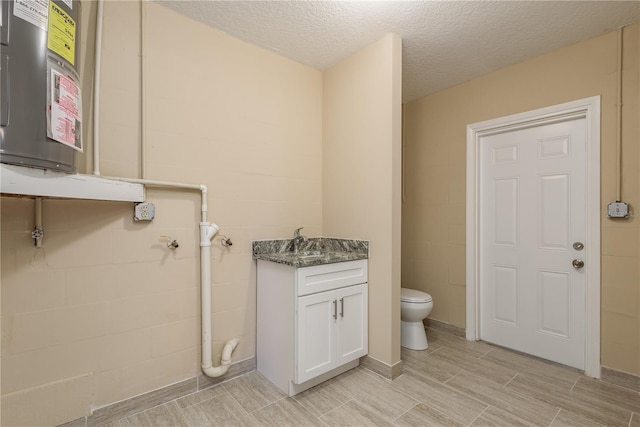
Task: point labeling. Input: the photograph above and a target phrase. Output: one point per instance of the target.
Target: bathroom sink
(315, 251)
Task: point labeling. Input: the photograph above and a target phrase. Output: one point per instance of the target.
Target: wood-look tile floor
(453, 383)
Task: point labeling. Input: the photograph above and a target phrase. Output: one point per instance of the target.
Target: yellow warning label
(62, 33)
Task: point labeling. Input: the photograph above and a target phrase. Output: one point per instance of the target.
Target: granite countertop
(314, 251)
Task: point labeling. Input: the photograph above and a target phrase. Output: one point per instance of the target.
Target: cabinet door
(351, 332)
(315, 350)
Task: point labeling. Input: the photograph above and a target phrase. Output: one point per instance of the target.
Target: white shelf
(30, 182)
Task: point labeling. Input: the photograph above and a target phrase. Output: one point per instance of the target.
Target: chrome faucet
(298, 239)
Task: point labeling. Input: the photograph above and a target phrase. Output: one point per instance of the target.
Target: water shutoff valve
(171, 242)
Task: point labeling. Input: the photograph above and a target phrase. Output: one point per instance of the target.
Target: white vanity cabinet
(332, 330)
(312, 322)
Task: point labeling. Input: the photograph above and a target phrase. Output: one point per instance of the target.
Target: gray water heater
(40, 99)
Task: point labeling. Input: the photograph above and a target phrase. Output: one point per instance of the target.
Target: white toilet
(415, 306)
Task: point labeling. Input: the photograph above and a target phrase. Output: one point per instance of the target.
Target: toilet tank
(40, 100)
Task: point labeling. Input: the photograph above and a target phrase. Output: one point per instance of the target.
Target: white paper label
(66, 113)
(33, 11)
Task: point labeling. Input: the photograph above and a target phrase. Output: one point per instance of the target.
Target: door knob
(577, 263)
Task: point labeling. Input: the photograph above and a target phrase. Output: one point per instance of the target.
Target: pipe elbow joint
(225, 363)
(215, 372)
(229, 347)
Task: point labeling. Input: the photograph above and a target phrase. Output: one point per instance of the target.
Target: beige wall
(105, 311)
(433, 229)
(361, 175)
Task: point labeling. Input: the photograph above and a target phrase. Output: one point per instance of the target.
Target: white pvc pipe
(203, 203)
(96, 89)
(208, 231)
(225, 363)
(156, 183)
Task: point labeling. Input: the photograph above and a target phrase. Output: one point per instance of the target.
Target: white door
(315, 350)
(532, 206)
(351, 331)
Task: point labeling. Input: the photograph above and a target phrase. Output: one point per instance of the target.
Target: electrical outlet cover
(618, 210)
(144, 211)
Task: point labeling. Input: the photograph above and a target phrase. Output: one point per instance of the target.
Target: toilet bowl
(415, 306)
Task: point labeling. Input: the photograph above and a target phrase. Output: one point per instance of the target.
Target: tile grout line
(317, 417)
(253, 417)
(556, 416)
(443, 412)
(574, 384)
(484, 354)
(239, 404)
(620, 386)
(409, 396)
(615, 386)
(263, 406)
(513, 392)
(182, 416)
(322, 423)
(458, 373)
(509, 382)
(205, 400)
(324, 413)
(478, 416)
(337, 407)
(436, 350)
(302, 404)
(404, 413)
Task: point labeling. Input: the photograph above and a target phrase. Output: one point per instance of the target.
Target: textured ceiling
(444, 42)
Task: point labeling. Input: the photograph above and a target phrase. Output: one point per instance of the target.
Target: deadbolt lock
(578, 246)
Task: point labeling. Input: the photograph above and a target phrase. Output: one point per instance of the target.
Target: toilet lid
(412, 295)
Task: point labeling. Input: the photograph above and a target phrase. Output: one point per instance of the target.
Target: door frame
(589, 109)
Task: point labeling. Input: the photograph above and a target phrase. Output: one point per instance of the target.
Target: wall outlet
(144, 211)
(618, 210)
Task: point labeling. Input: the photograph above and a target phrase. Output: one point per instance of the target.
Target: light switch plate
(618, 210)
